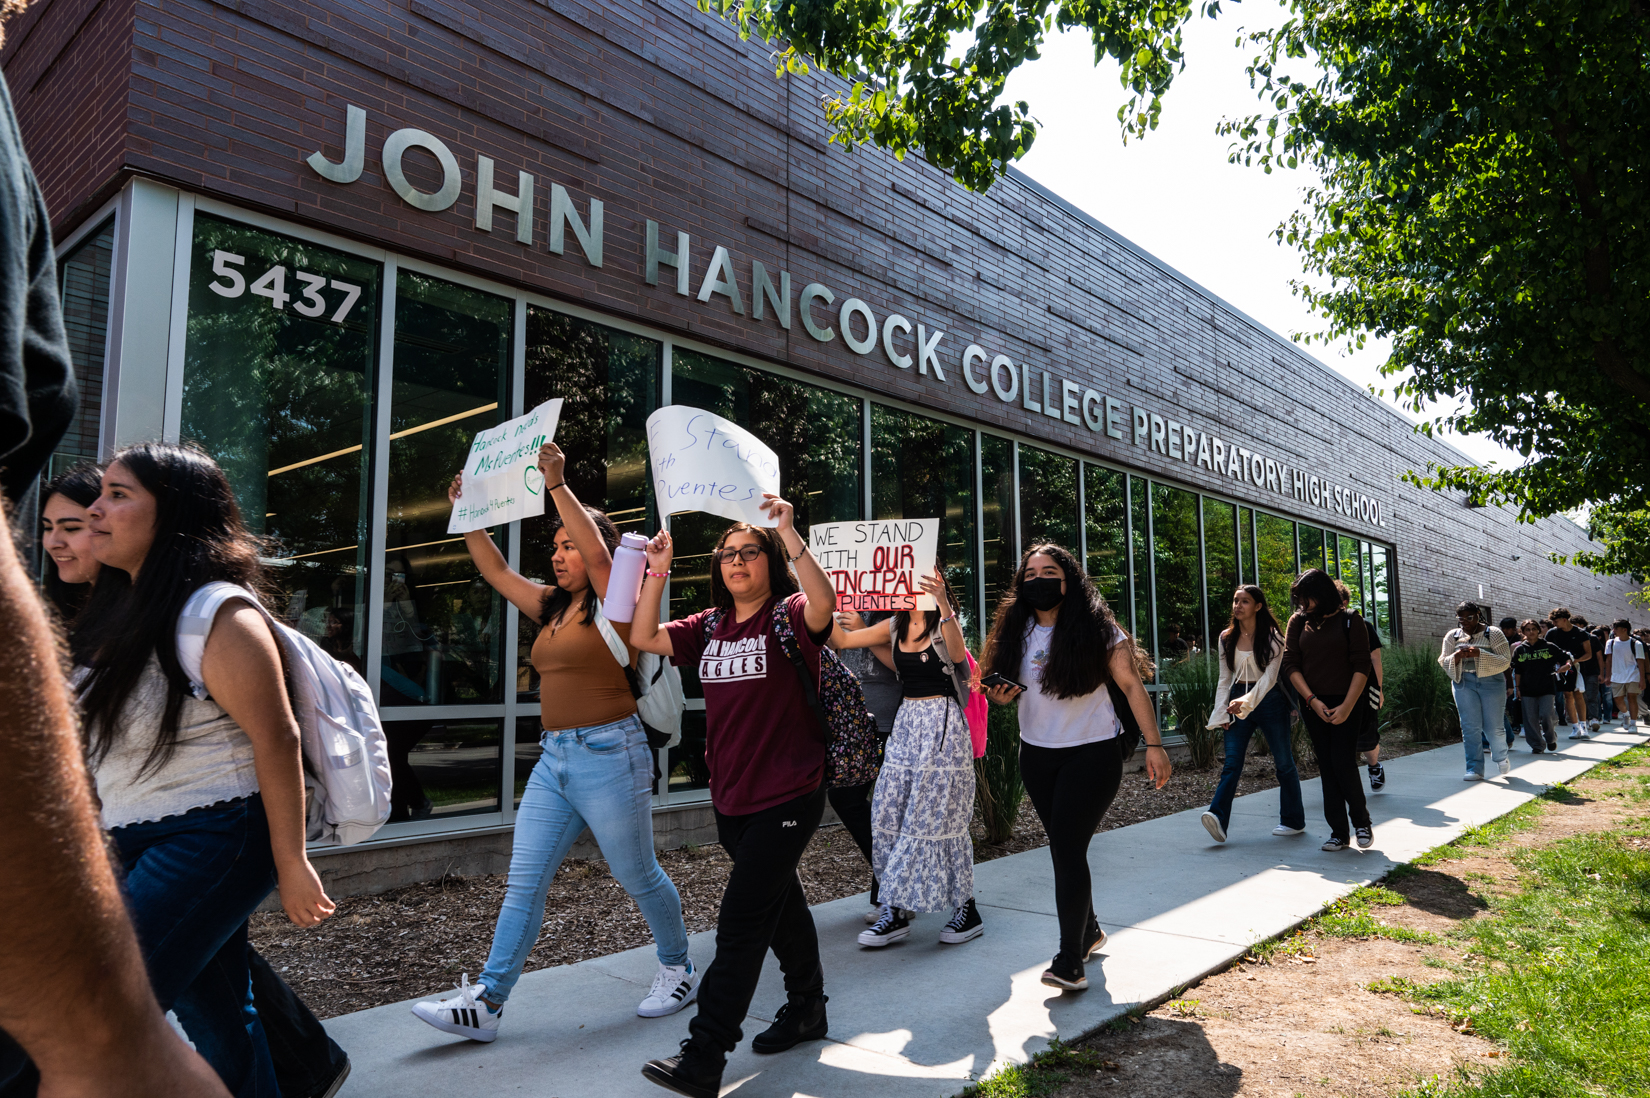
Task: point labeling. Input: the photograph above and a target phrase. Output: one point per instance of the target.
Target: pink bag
(977, 710)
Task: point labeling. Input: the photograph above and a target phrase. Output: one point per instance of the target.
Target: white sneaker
(1211, 824)
(674, 987)
(1282, 830)
(1576, 733)
(1505, 766)
(1472, 776)
(464, 1014)
(873, 913)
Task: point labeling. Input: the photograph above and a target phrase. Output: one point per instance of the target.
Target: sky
(1175, 195)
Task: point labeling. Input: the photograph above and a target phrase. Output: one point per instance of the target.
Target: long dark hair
(781, 580)
(557, 600)
(902, 618)
(1315, 586)
(81, 484)
(1266, 628)
(1079, 656)
(199, 539)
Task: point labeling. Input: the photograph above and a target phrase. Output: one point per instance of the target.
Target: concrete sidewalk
(920, 1019)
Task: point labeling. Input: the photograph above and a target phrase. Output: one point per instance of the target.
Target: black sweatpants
(762, 907)
(1071, 788)
(852, 804)
(1336, 746)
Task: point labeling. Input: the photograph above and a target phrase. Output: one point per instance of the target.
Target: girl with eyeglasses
(765, 750)
(1056, 639)
(594, 769)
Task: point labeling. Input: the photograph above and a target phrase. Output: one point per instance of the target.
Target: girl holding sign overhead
(765, 749)
(595, 768)
(922, 854)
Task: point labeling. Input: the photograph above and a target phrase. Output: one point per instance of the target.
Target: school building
(329, 242)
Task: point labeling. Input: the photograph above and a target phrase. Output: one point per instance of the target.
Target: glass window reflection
(443, 625)
(1275, 538)
(445, 768)
(1178, 573)
(1002, 550)
(1143, 627)
(1311, 547)
(1048, 499)
(1220, 554)
(1351, 570)
(1107, 530)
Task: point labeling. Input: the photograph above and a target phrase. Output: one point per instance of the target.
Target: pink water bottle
(624, 582)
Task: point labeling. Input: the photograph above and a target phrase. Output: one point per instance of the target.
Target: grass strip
(1043, 1074)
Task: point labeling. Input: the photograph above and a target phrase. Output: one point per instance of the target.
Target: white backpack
(348, 777)
(661, 701)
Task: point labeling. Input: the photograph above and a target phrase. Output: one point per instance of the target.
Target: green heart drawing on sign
(527, 476)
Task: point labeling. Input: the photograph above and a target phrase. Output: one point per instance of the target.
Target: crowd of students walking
(201, 783)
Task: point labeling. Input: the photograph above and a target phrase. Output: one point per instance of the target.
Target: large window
(1311, 547)
(279, 366)
(1220, 556)
(1140, 543)
(1351, 570)
(818, 436)
(1380, 581)
(1001, 549)
(1106, 521)
(1275, 540)
(1179, 575)
(1048, 499)
(921, 468)
(83, 277)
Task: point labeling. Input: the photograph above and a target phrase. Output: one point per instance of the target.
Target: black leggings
(1336, 746)
(762, 906)
(1071, 788)
(852, 804)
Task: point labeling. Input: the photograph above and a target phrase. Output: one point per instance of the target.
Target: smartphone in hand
(999, 679)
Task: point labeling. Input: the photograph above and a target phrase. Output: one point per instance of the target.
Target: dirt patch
(1307, 1024)
(417, 940)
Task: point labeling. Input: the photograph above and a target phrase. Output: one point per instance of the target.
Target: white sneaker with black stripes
(465, 1014)
(673, 988)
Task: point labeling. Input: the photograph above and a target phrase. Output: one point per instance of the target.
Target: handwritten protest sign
(876, 565)
(502, 482)
(702, 462)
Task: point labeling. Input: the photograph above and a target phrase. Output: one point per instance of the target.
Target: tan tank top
(580, 683)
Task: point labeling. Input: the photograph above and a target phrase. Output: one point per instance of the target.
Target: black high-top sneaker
(690, 1072)
(797, 1021)
(1094, 938)
(965, 925)
(1377, 776)
(1066, 973)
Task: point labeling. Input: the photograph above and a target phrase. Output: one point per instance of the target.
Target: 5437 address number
(272, 284)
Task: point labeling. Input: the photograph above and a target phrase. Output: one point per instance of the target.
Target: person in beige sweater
(1474, 655)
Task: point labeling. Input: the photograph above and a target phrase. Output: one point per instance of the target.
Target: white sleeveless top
(211, 763)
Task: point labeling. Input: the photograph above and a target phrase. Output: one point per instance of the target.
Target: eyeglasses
(746, 553)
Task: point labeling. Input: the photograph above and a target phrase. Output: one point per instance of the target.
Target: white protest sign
(876, 565)
(502, 482)
(702, 462)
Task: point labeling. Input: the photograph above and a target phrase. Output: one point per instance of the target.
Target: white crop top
(212, 762)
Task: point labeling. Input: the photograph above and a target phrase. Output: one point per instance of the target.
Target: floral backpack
(852, 750)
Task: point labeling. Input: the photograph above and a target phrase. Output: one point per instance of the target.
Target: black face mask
(1043, 593)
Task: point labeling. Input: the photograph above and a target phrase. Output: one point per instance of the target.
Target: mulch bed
(415, 941)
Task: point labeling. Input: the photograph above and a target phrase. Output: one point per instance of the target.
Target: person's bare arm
(1375, 658)
(1127, 676)
(815, 583)
(242, 671)
(104, 1035)
(598, 560)
(522, 593)
(869, 637)
(645, 634)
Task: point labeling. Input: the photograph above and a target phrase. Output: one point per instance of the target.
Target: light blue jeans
(1483, 705)
(600, 776)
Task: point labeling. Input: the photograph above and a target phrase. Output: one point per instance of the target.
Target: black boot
(797, 1021)
(691, 1072)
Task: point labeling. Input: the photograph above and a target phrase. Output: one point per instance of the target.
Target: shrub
(1417, 694)
(997, 786)
(1192, 685)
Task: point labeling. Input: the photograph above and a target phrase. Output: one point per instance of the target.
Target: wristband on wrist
(792, 560)
(659, 575)
(558, 484)
(953, 617)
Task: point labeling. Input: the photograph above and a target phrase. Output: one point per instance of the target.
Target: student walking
(765, 748)
(307, 1062)
(202, 792)
(1590, 669)
(873, 668)
(1535, 663)
(1578, 645)
(1474, 656)
(1248, 699)
(1369, 738)
(922, 853)
(1055, 640)
(1624, 664)
(1326, 660)
(594, 769)
(1511, 718)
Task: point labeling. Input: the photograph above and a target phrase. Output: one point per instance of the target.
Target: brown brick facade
(663, 114)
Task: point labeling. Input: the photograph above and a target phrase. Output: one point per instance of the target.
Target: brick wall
(664, 114)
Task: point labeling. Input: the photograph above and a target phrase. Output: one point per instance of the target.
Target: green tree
(1482, 197)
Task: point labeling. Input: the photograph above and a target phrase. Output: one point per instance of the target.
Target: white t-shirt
(1624, 658)
(1047, 721)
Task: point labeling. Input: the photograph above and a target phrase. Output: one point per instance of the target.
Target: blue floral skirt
(921, 851)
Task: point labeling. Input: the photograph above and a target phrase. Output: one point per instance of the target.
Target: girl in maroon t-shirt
(766, 753)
